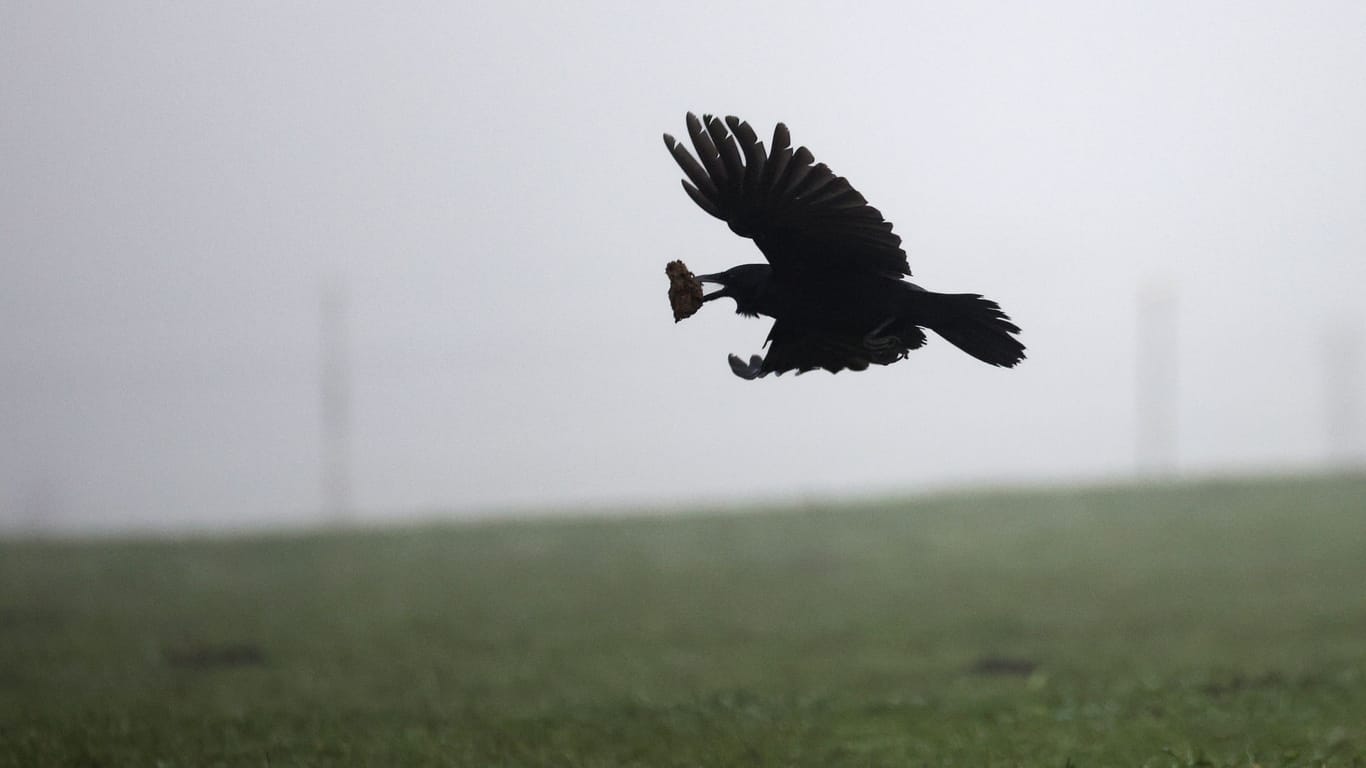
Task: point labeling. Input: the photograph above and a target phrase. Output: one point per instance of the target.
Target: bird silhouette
(834, 282)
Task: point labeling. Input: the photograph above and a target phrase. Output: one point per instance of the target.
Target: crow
(834, 282)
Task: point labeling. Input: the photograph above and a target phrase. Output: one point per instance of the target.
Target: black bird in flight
(833, 282)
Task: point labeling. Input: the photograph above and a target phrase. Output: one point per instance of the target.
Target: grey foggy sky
(489, 181)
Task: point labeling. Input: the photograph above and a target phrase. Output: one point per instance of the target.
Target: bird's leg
(749, 371)
(882, 345)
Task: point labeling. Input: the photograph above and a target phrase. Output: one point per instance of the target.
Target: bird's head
(742, 283)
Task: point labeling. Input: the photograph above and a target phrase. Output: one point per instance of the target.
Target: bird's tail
(972, 323)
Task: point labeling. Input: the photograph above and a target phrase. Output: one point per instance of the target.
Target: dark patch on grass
(216, 656)
(15, 617)
(1003, 666)
(1239, 683)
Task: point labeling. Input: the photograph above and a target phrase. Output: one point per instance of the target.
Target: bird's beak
(711, 279)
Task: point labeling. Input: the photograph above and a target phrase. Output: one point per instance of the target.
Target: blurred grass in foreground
(1218, 623)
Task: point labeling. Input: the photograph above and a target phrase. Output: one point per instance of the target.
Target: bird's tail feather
(974, 324)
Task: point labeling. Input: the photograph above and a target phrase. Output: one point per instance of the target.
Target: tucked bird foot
(883, 346)
(744, 370)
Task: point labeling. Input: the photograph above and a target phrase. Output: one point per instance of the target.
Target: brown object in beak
(685, 293)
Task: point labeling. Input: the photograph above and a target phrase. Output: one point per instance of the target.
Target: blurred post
(335, 392)
(1157, 379)
(1342, 378)
(39, 507)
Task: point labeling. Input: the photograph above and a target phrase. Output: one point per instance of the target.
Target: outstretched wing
(793, 348)
(805, 219)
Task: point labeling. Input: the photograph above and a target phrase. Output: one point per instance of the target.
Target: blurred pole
(39, 508)
(1342, 378)
(1157, 379)
(335, 391)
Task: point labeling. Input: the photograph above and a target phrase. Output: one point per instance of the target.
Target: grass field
(1219, 623)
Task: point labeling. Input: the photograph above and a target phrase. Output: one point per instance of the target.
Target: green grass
(1220, 623)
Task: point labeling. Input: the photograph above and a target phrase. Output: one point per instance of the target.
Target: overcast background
(486, 186)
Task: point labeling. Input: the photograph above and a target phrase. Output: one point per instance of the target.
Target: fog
(482, 191)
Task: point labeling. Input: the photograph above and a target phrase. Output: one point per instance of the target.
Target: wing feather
(827, 193)
(808, 221)
(819, 178)
(797, 171)
(725, 144)
(706, 150)
(779, 155)
(694, 170)
(754, 150)
(701, 200)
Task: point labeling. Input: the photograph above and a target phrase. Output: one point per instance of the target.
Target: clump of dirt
(685, 293)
